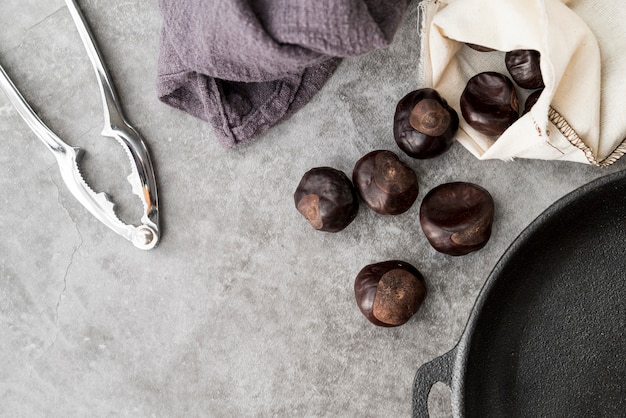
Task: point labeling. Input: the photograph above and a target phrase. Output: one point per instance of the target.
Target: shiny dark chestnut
(531, 100)
(523, 65)
(457, 217)
(386, 184)
(389, 293)
(489, 103)
(327, 199)
(424, 124)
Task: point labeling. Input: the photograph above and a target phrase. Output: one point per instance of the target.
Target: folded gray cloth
(245, 65)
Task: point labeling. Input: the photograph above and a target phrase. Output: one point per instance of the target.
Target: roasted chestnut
(389, 293)
(386, 185)
(424, 125)
(327, 199)
(457, 217)
(523, 65)
(489, 103)
(531, 100)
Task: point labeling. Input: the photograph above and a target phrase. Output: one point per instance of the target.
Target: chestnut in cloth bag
(579, 116)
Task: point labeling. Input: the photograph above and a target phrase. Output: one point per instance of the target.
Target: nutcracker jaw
(142, 178)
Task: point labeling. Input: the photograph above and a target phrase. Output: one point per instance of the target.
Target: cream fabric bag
(581, 114)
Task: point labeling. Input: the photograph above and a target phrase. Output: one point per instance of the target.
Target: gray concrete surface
(243, 309)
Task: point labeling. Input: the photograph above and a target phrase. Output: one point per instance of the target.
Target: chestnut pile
(489, 102)
(456, 218)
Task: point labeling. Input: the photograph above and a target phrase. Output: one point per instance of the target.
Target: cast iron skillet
(547, 336)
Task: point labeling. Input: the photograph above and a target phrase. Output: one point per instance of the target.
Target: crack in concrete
(40, 21)
(58, 305)
(95, 127)
(33, 26)
(67, 269)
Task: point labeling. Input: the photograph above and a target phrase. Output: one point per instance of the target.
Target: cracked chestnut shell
(489, 103)
(327, 199)
(387, 185)
(523, 65)
(424, 124)
(457, 217)
(389, 293)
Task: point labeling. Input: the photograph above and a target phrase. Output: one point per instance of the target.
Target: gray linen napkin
(245, 65)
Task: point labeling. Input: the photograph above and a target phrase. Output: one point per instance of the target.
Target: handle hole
(439, 401)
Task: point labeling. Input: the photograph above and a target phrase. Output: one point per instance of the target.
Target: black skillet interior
(549, 338)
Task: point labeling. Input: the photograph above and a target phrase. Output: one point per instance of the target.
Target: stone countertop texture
(243, 309)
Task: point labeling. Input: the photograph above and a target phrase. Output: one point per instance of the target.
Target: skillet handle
(437, 370)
